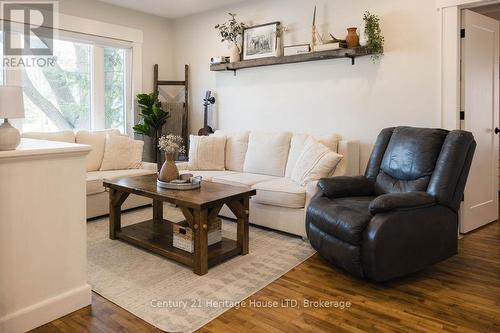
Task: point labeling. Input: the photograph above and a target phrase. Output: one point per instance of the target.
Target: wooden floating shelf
(311, 56)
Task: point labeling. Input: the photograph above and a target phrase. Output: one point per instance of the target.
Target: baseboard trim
(43, 312)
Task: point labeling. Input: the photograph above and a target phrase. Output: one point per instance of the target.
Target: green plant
(231, 30)
(152, 119)
(374, 35)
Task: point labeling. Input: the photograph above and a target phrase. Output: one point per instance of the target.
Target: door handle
(497, 130)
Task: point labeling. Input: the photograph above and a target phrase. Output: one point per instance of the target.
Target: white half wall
(325, 96)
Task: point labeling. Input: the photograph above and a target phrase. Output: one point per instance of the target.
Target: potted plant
(170, 145)
(373, 34)
(231, 31)
(152, 120)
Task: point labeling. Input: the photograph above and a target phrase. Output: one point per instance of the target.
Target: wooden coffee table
(200, 208)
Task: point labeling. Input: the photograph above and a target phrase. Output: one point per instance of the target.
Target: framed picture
(260, 41)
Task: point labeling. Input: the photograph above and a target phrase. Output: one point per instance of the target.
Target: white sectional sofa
(280, 203)
(97, 195)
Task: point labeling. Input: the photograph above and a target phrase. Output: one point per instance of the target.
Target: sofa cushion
(343, 218)
(122, 152)
(96, 139)
(206, 174)
(315, 161)
(95, 178)
(282, 192)
(62, 136)
(242, 179)
(236, 148)
(267, 153)
(206, 153)
(94, 184)
(298, 142)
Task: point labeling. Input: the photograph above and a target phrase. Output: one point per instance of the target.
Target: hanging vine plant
(374, 35)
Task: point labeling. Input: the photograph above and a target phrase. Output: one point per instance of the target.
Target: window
(88, 87)
(58, 97)
(114, 88)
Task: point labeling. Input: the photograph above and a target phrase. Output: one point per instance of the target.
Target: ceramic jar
(352, 38)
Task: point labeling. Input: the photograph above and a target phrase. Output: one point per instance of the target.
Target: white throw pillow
(96, 139)
(267, 153)
(122, 152)
(298, 142)
(236, 148)
(206, 153)
(314, 162)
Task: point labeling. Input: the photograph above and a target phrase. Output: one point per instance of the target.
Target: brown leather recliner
(402, 215)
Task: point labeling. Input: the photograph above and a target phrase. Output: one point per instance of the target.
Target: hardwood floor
(461, 294)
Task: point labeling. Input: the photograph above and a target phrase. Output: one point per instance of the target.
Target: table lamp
(11, 106)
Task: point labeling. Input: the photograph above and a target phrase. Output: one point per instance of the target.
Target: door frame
(450, 25)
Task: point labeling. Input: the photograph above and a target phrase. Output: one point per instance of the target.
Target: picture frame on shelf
(261, 41)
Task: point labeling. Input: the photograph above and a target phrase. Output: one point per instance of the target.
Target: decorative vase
(235, 53)
(363, 39)
(279, 47)
(169, 169)
(352, 38)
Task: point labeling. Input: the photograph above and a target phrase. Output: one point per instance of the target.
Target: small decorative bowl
(186, 176)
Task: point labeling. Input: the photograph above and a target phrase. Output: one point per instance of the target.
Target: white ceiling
(172, 8)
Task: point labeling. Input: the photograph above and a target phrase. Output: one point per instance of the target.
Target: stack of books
(327, 47)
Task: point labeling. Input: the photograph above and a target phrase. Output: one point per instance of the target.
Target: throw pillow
(236, 148)
(206, 152)
(297, 144)
(267, 153)
(122, 152)
(314, 162)
(96, 139)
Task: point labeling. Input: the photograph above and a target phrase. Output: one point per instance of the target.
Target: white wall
(324, 96)
(157, 42)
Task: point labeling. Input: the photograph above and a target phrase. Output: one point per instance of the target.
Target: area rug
(169, 295)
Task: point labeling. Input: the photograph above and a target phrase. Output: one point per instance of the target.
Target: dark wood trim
(188, 214)
(155, 77)
(185, 129)
(200, 208)
(157, 210)
(185, 83)
(116, 200)
(178, 201)
(171, 83)
(214, 212)
(298, 58)
(200, 242)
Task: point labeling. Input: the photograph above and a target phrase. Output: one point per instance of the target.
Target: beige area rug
(169, 295)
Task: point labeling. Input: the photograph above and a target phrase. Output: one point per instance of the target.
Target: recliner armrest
(340, 187)
(408, 200)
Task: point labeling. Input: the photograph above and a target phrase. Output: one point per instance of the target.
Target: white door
(480, 102)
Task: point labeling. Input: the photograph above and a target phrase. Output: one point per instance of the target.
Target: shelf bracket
(353, 58)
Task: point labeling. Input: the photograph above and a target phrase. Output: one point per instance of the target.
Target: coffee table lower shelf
(157, 237)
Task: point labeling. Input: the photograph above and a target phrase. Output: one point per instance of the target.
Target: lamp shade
(11, 102)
